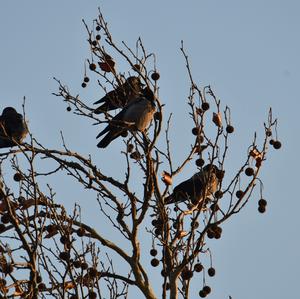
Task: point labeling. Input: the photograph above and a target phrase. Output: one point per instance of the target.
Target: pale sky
(248, 51)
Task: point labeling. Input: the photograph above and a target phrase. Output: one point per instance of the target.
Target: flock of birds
(137, 104)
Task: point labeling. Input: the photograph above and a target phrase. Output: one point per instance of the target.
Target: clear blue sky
(248, 51)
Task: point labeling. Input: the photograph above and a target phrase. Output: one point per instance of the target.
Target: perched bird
(136, 116)
(201, 185)
(12, 128)
(121, 96)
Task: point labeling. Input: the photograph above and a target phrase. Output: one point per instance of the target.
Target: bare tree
(47, 251)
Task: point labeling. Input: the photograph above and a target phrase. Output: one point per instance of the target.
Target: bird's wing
(109, 137)
(121, 116)
(190, 189)
(101, 100)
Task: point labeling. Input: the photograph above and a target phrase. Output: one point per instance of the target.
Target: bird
(200, 186)
(121, 96)
(135, 116)
(13, 128)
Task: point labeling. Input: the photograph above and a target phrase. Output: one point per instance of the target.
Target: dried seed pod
(153, 252)
(217, 119)
(155, 76)
(249, 171)
(211, 271)
(229, 129)
(198, 267)
(205, 106)
(166, 178)
(154, 262)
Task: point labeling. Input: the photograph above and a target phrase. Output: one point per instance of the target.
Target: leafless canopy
(47, 251)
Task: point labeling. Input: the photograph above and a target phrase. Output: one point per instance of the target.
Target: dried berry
(249, 171)
(271, 141)
(217, 229)
(210, 233)
(200, 162)
(195, 224)
(154, 262)
(77, 264)
(154, 222)
(155, 76)
(239, 194)
(214, 207)
(261, 209)
(262, 202)
(198, 267)
(206, 289)
(93, 66)
(277, 144)
(195, 131)
(229, 129)
(98, 28)
(202, 294)
(98, 37)
(164, 273)
(94, 43)
(69, 108)
(153, 252)
(211, 271)
(18, 177)
(83, 85)
(205, 106)
(64, 239)
(86, 79)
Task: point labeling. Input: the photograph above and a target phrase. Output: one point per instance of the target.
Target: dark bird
(136, 116)
(12, 128)
(121, 96)
(200, 186)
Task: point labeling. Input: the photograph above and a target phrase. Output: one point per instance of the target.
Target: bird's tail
(108, 138)
(101, 100)
(105, 141)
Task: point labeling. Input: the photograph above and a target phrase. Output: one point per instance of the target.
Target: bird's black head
(135, 83)
(214, 169)
(149, 95)
(9, 110)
